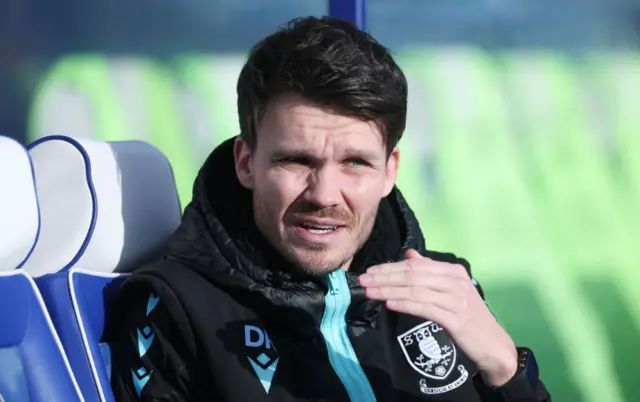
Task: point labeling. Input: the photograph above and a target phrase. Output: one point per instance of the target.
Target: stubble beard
(310, 259)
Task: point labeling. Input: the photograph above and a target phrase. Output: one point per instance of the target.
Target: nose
(323, 188)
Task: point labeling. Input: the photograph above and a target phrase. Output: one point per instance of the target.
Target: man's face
(317, 180)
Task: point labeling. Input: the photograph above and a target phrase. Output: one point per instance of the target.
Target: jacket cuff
(493, 394)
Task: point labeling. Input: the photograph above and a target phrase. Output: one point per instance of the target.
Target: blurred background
(522, 151)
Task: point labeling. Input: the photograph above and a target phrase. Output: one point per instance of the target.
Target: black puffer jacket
(220, 318)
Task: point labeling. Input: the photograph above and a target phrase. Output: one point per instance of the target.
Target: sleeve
(151, 359)
(488, 394)
(542, 395)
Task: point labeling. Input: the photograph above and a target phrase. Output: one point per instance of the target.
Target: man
(299, 273)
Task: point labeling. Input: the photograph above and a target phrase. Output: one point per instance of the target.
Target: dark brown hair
(331, 63)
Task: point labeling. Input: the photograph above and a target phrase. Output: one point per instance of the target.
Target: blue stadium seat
(106, 208)
(33, 365)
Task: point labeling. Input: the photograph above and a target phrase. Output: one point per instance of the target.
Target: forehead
(293, 121)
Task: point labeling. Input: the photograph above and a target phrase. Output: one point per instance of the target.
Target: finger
(411, 253)
(446, 301)
(391, 266)
(423, 264)
(423, 279)
(404, 277)
(448, 284)
(445, 318)
(415, 265)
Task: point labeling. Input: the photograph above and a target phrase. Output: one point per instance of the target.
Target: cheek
(364, 194)
(279, 189)
(366, 185)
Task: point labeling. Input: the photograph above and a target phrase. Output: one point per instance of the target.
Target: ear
(391, 171)
(242, 156)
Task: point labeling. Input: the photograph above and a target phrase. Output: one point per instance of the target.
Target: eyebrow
(366, 154)
(284, 152)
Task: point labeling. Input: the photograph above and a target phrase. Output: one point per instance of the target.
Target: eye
(357, 162)
(292, 160)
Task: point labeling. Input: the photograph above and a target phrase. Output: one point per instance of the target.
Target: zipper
(342, 357)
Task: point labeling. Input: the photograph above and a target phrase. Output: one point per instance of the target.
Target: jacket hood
(219, 239)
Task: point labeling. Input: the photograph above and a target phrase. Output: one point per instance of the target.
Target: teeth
(320, 229)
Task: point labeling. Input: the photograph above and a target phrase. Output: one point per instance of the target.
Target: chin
(316, 265)
(318, 272)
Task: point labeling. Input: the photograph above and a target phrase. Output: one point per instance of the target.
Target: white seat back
(18, 205)
(33, 363)
(105, 207)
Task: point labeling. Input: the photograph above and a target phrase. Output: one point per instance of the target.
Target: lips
(319, 229)
(319, 226)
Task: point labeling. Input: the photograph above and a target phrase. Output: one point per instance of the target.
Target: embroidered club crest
(429, 350)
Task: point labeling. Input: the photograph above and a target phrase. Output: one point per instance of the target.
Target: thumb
(412, 254)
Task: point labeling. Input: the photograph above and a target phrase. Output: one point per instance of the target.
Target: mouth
(319, 229)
